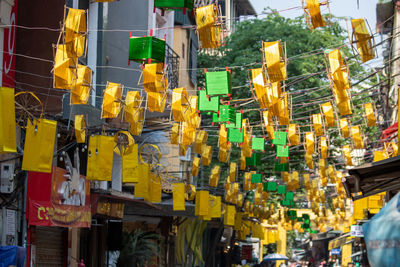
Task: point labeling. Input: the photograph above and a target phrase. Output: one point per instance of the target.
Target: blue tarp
(382, 235)
(12, 256)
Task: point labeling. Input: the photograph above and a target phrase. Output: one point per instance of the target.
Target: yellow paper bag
(80, 129)
(154, 189)
(142, 186)
(100, 158)
(230, 213)
(215, 206)
(201, 204)
(178, 196)
(8, 139)
(39, 145)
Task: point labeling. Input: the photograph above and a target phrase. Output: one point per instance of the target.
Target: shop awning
(339, 241)
(373, 178)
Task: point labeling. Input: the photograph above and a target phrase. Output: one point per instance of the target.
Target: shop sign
(110, 209)
(57, 199)
(335, 251)
(247, 252)
(356, 231)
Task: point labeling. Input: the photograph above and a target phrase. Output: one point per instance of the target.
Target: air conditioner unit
(7, 178)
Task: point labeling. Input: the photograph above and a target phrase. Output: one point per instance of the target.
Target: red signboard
(57, 199)
(10, 35)
(247, 252)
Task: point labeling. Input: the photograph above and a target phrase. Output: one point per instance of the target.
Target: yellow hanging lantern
(232, 172)
(80, 129)
(100, 158)
(370, 114)
(229, 217)
(313, 15)
(156, 101)
(188, 134)
(259, 84)
(154, 79)
(180, 104)
(242, 161)
(267, 116)
(323, 147)
(210, 37)
(75, 29)
(247, 181)
(274, 56)
(133, 113)
(207, 155)
(206, 16)
(338, 71)
(332, 174)
(196, 166)
(64, 69)
(363, 39)
(8, 133)
(294, 137)
(223, 137)
(201, 139)
(80, 91)
(357, 137)
(322, 168)
(190, 192)
(328, 114)
(309, 161)
(214, 176)
(39, 145)
(202, 203)
(111, 100)
(136, 122)
(175, 133)
(270, 132)
(347, 156)
(295, 180)
(317, 124)
(193, 117)
(285, 177)
(306, 177)
(142, 185)
(224, 154)
(344, 127)
(178, 197)
(283, 110)
(310, 144)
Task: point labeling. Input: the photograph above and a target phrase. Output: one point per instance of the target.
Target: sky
(339, 8)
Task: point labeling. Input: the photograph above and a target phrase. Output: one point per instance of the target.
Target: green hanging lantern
(218, 83)
(280, 138)
(258, 144)
(227, 114)
(256, 178)
(282, 151)
(146, 48)
(173, 4)
(281, 167)
(235, 135)
(271, 186)
(281, 189)
(254, 160)
(238, 121)
(208, 104)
